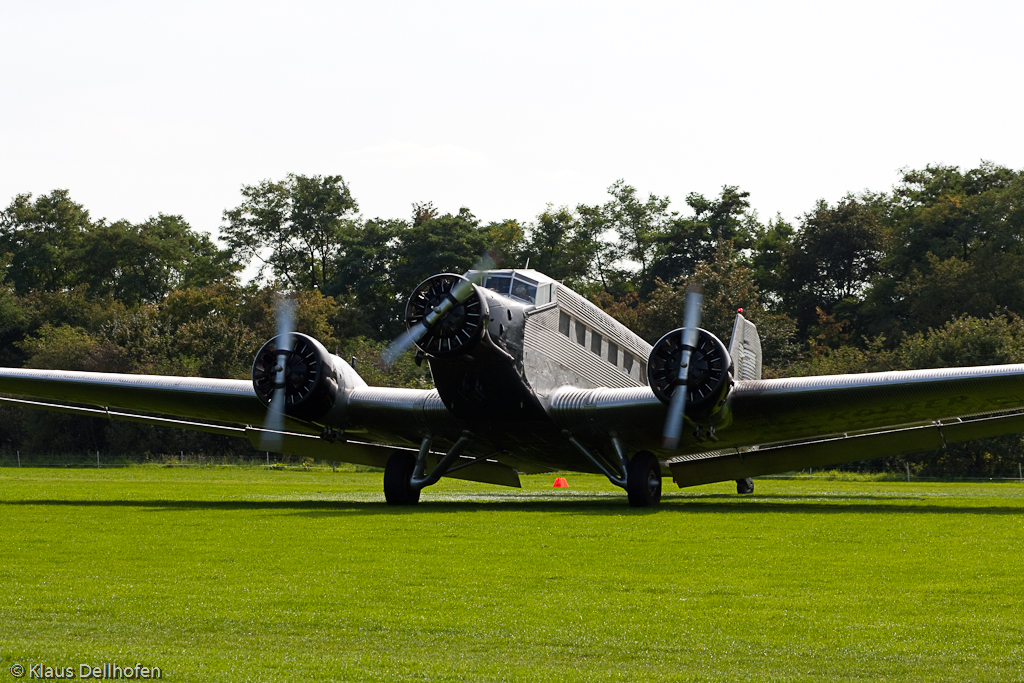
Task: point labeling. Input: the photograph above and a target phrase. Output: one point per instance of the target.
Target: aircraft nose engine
(707, 379)
(310, 381)
(450, 310)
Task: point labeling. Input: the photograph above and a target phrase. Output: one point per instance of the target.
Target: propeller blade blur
(677, 408)
(272, 438)
(285, 316)
(403, 343)
(674, 419)
(274, 424)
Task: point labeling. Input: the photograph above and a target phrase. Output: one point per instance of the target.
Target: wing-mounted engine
(452, 312)
(707, 378)
(314, 381)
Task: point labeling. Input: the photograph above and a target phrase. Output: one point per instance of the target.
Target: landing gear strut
(641, 476)
(405, 477)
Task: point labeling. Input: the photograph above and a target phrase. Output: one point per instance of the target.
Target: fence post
(19, 458)
(908, 472)
(268, 460)
(97, 458)
(1020, 472)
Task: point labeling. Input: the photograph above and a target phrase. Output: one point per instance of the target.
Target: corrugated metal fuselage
(504, 389)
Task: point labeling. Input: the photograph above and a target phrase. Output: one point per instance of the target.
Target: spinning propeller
(447, 301)
(461, 291)
(274, 424)
(677, 407)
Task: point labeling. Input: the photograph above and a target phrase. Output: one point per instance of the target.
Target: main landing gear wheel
(745, 485)
(398, 489)
(643, 480)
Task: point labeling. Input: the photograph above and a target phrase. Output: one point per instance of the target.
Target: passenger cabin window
(581, 333)
(613, 353)
(563, 323)
(643, 372)
(627, 362)
(595, 343)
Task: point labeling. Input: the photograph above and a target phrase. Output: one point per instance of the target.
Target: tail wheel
(398, 489)
(643, 480)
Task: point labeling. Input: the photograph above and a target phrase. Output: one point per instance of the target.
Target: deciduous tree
(293, 227)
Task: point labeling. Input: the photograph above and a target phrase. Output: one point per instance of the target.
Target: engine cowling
(460, 329)
(708, 380)
(311, 382)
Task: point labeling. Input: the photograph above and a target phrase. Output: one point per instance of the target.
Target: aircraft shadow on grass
(589, 505)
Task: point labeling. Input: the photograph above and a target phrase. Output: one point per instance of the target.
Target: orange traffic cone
(561, 483)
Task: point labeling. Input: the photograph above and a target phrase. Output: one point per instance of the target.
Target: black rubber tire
(397, 478)
(643, 480)
(744, 486)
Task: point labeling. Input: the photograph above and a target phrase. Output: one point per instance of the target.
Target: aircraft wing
(786, 424)
(225, 400)
(231, 407)
(777, 425)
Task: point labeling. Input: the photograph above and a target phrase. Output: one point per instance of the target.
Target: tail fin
(745, 349)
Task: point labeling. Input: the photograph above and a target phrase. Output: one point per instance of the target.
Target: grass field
(241, 574)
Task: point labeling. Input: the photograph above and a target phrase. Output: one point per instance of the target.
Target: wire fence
(280, 461)
(883, 476)
(98, 460)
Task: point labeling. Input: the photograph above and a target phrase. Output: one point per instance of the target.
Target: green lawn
(245, 574)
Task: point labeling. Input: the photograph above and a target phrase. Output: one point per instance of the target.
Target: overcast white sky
(143, 107)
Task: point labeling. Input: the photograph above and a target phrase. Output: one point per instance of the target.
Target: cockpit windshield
(515, 284)
(499, 283)
(523, 289)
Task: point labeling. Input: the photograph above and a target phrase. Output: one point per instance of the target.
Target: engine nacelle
(460, 329)
(311, 377)
(708, 380)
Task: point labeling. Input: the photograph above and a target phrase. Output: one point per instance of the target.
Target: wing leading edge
(225, 400)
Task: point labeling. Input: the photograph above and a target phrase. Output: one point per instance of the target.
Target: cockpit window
(499, 284)
(524, 290)
(516, 286)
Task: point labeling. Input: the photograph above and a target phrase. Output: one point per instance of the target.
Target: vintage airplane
(531, 377)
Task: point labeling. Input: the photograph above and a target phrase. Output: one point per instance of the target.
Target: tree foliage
(294, 227)
(930, 274)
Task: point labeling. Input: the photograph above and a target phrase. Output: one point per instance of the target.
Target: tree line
(927, 274)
